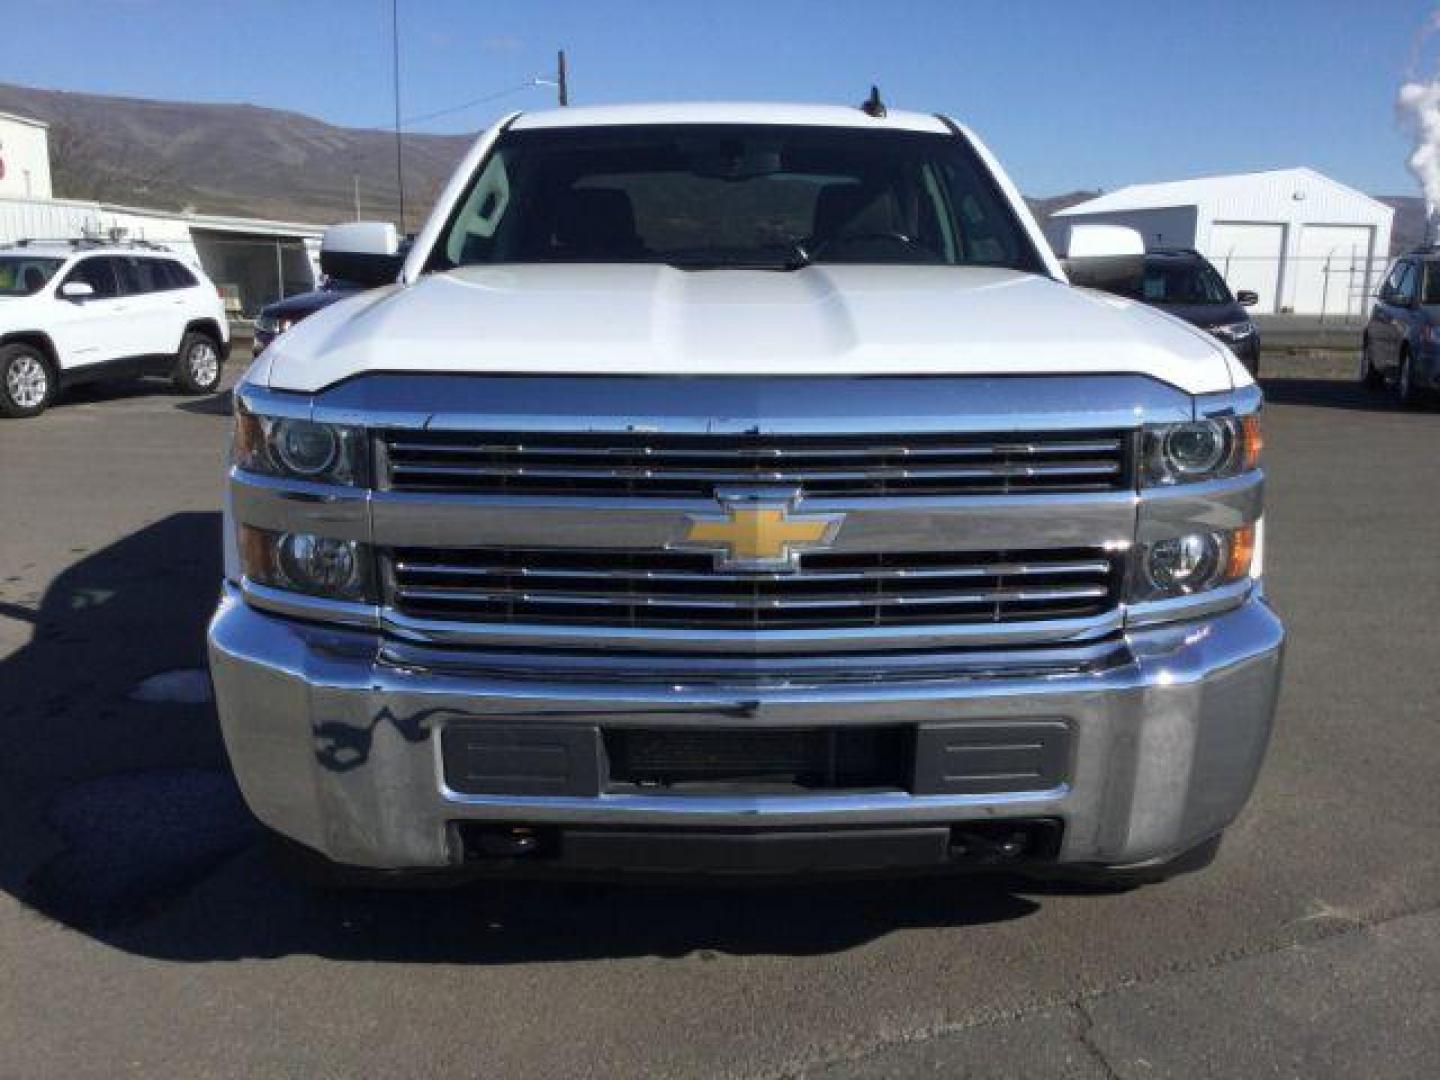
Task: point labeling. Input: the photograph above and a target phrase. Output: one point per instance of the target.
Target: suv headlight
(1194, 563)
(273, 324)
(296, 449)
(1199, 450)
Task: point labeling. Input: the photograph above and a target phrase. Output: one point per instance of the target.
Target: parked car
(1401, 343)
(1184, 283)
(72, 312)
(742, 489)
(275, 318)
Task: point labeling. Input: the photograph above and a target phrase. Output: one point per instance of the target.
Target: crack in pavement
(1084, 1035)
(1317, 932)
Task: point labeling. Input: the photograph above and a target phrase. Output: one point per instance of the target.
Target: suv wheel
(1405, 390)
(197, 365)
(27, 384)
(1369, 373)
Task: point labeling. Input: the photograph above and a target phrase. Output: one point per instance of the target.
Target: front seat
(596, 223)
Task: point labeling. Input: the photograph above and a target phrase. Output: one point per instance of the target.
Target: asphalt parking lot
(143, 933)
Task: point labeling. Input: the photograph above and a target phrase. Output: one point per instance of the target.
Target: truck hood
(820, 320)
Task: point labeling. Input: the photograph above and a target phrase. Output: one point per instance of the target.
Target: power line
(526, 85)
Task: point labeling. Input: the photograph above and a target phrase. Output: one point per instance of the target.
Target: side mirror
(1247, 298)
(1109, 257)
(77, 290)
(366, 252)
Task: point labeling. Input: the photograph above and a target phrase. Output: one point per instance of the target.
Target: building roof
(18, 119)
(718, 112)
(1296, 182)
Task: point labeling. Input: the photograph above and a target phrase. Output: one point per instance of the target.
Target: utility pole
(357, 196)
(399, 141)
(562, 80)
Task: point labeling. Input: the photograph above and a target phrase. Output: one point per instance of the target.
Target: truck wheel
(27, 382)
(197, 365)
(1369, 374)
(1118, 879)
(311, 870)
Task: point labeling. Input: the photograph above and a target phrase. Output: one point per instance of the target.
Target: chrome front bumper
(337, 745)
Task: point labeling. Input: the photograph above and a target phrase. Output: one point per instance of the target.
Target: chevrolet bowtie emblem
(759, 531)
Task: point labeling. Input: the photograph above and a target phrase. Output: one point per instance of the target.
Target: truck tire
(197, 364)
(27, 381)
(1118, 879)
(311, 870)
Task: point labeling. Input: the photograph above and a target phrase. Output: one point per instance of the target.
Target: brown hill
(230, 159)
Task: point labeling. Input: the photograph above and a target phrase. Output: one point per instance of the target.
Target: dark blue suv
(1401, 346)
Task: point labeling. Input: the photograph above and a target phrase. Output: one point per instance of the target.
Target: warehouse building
(24, 158)
(253, 261)
(1302, 242)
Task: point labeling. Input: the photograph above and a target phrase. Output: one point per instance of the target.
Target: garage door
(1332, 269)
(1247, 254)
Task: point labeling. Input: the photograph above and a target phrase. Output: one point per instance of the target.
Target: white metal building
(1301, 241)
(253, 261)
(24, 158)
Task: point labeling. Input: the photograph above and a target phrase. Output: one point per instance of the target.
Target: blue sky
(1069, 95)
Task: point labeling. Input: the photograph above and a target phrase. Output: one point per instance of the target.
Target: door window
(1405, 292)
(174, 274)
(137, 276)
(98, 273)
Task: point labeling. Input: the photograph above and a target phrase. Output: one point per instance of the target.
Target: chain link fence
(252, 272)
(1336, 287)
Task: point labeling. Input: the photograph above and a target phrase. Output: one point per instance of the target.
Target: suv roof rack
(84, 243)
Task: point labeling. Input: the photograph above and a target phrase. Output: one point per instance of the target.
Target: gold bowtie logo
(758, 533)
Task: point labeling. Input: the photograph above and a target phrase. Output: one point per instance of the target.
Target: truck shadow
(122, 821)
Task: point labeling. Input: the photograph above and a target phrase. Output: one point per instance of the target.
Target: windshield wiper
(797, 259)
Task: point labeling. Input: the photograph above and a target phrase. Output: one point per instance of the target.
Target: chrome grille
(676, 589)
(639, 464)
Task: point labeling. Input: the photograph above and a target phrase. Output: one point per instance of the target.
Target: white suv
(72, 313)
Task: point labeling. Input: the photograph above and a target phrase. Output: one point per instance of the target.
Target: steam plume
(1418, 106)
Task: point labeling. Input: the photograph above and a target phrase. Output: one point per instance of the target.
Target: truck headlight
(305, 563)
(1193, 563)
(298, 449)
(1197, 450)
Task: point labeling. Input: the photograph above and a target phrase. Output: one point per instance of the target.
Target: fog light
(1184, 564)
(303, 562)
(319, 564)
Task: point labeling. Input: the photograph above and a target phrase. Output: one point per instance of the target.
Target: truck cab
(743, 489)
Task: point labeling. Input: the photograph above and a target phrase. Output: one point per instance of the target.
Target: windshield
(25, 275)
(1183, 283)
(700, 196)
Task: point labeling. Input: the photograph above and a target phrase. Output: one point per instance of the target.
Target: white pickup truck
(742, 488)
